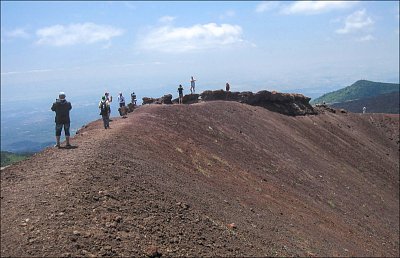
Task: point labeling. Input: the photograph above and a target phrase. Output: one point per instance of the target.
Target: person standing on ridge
(133, 98)
(180, 90)
(227, 87)
(104, 107)
(364, 110)
(192, 85)
(62, 108)
(121, 100)
(109, 100)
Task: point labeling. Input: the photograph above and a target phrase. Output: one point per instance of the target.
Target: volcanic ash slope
(210, 179)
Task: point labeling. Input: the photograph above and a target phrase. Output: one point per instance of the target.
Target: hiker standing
(121, 100)
(180, 90)
(227, 87)
(62, 108)
(364, 110)
(192, 85)
(109, 100)
(133, 98)
(104, 107)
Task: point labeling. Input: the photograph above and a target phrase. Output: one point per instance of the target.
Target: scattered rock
(152, 252)
(118, 219)
(232, 226)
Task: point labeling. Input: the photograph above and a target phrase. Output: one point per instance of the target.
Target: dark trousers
(106, 121)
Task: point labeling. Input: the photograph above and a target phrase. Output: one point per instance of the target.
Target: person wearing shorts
(62, 119)
(180, 90)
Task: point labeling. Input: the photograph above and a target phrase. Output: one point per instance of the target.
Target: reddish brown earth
(210, 179)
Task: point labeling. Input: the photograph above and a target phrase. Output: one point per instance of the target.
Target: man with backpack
(62, 108)
(109, 100)
(104, 107)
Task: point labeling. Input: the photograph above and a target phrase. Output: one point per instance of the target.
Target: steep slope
(359, 90)
(384, 103)
(210, 179)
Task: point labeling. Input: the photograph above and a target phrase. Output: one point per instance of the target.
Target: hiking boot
(57, 146)
(68, 146)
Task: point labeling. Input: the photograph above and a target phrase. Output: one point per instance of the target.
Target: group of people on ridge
(192, 89)
(62, 107)
(105, 109)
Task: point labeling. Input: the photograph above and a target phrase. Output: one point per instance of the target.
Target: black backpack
(104, 108)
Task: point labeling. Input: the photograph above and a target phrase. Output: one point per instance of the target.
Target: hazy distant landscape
(28, 126)
(31, 128)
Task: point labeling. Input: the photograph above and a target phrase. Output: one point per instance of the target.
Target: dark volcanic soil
(210, 179)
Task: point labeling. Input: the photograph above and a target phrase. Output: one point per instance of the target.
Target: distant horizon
(95, 95)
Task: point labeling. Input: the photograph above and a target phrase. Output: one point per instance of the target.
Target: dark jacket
(62, 108)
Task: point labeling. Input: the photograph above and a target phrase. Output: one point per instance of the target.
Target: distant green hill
(358, 90)
(385, 103)
(7, 158)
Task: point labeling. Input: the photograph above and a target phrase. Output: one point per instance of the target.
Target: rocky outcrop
(123, 111)
(188, 99)
(285, 103)
(323, 108)
(166, 99)
(131, 107)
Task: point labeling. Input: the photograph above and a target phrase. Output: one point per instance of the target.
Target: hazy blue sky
(151, 47)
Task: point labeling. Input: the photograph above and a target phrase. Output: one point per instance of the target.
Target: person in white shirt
(121, 100)
(192, 85)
